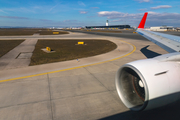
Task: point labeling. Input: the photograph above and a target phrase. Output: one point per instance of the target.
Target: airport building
(161, 28)
(108, 27)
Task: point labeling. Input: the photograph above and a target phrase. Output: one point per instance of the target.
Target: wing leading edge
(170, 43)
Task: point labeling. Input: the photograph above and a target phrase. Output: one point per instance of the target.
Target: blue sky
(73, 13)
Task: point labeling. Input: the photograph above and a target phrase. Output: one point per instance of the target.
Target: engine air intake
(131, 88)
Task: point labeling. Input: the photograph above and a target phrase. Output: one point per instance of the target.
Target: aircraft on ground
(151, 83)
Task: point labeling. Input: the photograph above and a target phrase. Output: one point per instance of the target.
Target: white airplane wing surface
(170, 43)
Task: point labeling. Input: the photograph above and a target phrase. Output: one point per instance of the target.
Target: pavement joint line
(134, 49)
(24, 104)
(50, 96)
(86, 94)
(56, 99)
(97, 79)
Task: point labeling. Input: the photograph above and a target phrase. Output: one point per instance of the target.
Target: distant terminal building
(161, 28)
(108, 27)
(178, 29)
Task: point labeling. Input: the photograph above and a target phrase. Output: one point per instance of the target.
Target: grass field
(7, 45)
(51, 32)
(107, 31)
(24, 31)
(68, 50)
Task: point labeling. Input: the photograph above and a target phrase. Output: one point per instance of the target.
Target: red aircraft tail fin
(143, 21)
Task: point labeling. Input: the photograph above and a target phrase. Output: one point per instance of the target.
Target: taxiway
(82, 90)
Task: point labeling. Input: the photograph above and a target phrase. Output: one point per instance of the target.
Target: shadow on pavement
(164, 113)
(168, 112)
(149, 53)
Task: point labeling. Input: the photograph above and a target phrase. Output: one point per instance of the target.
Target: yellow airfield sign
(48, 49)
(55, 32)
(80, 43)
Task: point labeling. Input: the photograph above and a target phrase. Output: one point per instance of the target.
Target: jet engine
(150, 83)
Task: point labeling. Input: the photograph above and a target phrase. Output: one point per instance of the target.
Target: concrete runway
(86, 92)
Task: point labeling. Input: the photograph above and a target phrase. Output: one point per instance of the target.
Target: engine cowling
(147, 84)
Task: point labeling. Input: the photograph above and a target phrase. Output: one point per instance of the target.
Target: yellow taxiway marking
(134, 48)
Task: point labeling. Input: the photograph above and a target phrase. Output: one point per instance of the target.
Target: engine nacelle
(147, 84)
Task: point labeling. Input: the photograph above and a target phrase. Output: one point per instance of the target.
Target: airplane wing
(151, 83)
(170, 43)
